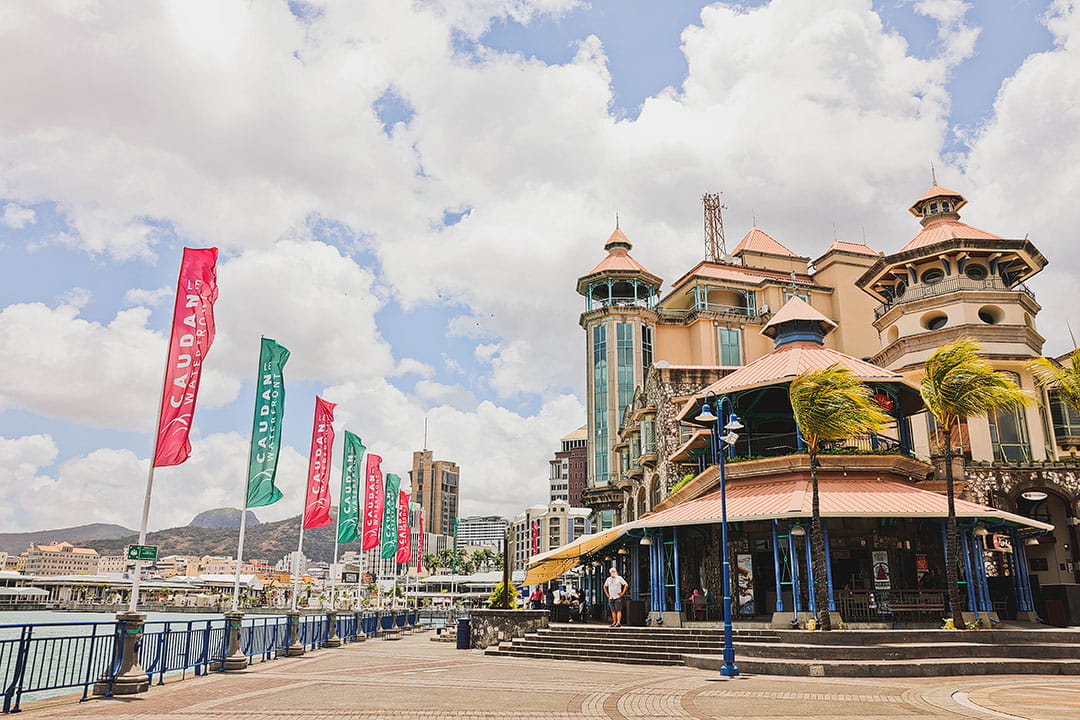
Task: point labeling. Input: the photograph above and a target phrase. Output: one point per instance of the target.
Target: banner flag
(266, 427)
(404, 536)
(349, 502)
(536, 537)
(389, 536)
(317, 502)
(420, 539)
(373, 502)
(192, 335)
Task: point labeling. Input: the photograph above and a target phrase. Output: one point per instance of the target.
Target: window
(975, 272)
(646, 347)
(600, 401)
(1008, 433)
(933, 276)
(730, 346)
(648, 435)
(1066, 420)
(625, 360)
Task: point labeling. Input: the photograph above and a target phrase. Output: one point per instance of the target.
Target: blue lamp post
(729, 669)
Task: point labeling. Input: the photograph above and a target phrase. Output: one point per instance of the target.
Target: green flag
(389, 517)
(349, 504)
(266, 428)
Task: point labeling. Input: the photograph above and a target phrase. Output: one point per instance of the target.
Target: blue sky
(444, 174)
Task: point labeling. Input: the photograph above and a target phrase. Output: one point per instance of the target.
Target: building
(435, 487)
(570, 468)
(482, 531)
(61, 559)
(541, 528)
(114, 564)
(649, 456)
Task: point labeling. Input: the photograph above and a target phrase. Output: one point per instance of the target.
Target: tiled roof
(618, 258)
(938, 191)
(581, 432)
(738, 273)
(617, 236)
(797, 309)
(947, 229)
(850, 247)
(764, 499)
(758, 240)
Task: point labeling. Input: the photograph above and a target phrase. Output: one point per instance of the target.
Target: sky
(404, 194)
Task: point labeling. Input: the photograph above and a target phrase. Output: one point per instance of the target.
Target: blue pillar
(798, 439)
(1024, 601)
(828, 565)
(661, 604)
(635, 572)
(983, 589)
(655, 588)
(779, 606)
(811, 602)
(966, 552)
(675, 554)
(793, 549)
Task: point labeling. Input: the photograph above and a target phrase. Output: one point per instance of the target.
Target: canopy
(767, 499)
(553, 563)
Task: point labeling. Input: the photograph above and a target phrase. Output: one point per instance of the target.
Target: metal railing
(892, 606)
(955, 284)
(779, 444)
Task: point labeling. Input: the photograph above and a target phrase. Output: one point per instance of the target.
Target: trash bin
(464, 638)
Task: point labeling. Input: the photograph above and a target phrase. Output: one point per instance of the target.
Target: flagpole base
(130, 677)
(334, 640)
(235, 659)
(295, 647)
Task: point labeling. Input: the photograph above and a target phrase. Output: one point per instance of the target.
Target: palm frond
(959, 383)
(1064, 380)
(833, 404)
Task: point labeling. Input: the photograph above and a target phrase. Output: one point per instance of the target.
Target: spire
(933, 174)
(797, 320)
(618, 240)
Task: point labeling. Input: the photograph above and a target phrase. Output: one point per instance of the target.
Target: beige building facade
(435, 485)
(61, 559)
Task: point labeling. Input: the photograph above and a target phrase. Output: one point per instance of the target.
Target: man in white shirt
(614, 589)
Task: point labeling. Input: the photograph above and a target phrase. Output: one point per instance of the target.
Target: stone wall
(987, 482)
(490, 627)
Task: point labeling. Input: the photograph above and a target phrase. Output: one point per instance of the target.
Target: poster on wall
(922, 565)
(879, 561)
(744, 584)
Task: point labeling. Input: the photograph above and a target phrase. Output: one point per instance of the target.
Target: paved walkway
(417, 678)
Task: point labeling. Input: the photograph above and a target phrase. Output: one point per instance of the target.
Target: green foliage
(686, 478)
(833, 404)
(498, 596)
(1064, 379)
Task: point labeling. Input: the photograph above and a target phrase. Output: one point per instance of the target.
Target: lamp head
(706, 415)
(980, 530)
(733, 423)
(646, 541)
(798, 530)
(623, 551)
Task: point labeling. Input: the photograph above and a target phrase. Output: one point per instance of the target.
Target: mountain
(223, 519)
(15, 543)
(268, 541)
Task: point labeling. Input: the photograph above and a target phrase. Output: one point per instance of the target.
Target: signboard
(350, 577)
(744, 584)
(922, 564)
(879, 562)
(142, 552)
(1001, 542)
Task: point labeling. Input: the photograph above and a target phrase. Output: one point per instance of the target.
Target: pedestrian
(549, 600)
(536, 598)
(614, 589)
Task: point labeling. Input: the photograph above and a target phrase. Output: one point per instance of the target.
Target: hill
(15, 543)
(268, 541)
(223, 519)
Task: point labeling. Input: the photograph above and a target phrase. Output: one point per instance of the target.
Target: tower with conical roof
(619, 320)
(953, 280)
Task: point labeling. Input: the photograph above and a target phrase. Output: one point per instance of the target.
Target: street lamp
(729, 668)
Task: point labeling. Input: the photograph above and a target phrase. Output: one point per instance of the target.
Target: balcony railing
(955, 284)
(788, 444)
(712, 307)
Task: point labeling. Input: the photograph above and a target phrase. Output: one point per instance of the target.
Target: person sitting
(697, 605)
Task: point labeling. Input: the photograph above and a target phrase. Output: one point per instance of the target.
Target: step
(906, 651)
(592, 652)
(878, 637)
(609, 658)
(936, 667)
(560, 641)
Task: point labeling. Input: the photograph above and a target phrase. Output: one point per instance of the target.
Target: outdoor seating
(698, 608)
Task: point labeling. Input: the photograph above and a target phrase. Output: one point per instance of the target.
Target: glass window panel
(730, 346)
(600, 402)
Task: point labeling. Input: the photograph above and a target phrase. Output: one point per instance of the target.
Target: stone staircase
(847, 653)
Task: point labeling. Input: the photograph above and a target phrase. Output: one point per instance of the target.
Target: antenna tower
(715, 245)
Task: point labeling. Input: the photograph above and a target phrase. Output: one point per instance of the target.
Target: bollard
(296, 648)
(333, 640)
(130, 676)
(235, 659)
(361, 636)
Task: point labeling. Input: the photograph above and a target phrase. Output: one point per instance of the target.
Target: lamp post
(729, 668)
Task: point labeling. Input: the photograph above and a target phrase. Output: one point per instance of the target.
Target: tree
(1063, 379)
(959, 384)
(830, 404)
(484, 559)
(500, 599)
(431, 562)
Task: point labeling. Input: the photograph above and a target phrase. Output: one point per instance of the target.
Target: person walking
(614, 589)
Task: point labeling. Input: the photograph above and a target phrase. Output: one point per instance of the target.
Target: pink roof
(792, 359)
(797, 309)
(617, 236)
(946, 229)
(618, 258)
(936, 191)
(738, 273)
(758, 240)
(760, 499)
(858, 248)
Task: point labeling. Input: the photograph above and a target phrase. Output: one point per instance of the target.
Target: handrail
(955, 284)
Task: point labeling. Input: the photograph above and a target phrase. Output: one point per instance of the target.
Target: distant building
(545, 527)
(113, 564)
(435, 487)
(570, 468)
(482, 531)
(61, 559)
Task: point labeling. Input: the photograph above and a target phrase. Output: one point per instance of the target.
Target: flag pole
(243, 511)
(333, 568)
(296, 565)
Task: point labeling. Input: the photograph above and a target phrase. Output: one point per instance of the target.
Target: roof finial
(933, 174)
(616, 219)
(834, 237)
(1071, 336)
(753, 217)
(864, 235)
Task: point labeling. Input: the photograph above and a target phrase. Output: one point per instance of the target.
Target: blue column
(661, 601)
(983, 588)
(811, 602)
(798, 439)
(969, 584)
(635, 572)
(675, 553)
(828, 565)
(654, 579)
(793, 550)
(1025, 601)
(779, 606)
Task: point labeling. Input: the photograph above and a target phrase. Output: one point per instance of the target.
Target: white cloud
(147, 298)
(20, 461)
(17, 217)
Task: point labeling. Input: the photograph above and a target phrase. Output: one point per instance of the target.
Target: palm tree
(830, 404)
(1064, 379)
(959, 384)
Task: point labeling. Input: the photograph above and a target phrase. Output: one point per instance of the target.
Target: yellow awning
(553, 563)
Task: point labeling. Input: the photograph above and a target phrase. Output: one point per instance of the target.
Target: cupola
(797, 321)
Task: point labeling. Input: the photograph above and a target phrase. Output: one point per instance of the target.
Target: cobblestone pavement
(416, 678)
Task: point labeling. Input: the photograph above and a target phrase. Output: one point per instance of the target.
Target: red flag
(373, 502)
(192, 334)
(420, 544)
(535, 537)
(317, 505)
(404, 537)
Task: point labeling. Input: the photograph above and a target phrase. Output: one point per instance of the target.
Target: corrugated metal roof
(757, 240)
(851, 247)
(764, 499)
(797, 309)
(947, 229)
